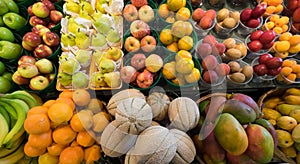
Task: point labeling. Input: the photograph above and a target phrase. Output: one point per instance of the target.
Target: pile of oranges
(66, 130)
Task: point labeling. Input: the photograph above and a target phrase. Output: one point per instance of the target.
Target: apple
(139, 29)
(255, 45)
(148, 43)
(27, 47)
(51, 25)
(49, 4)
(260, 69)
(26, 59)
(34, 20)
(198, 14)
(274, 71)
(274, 62)
(32, 39)
(40, 10)
(128, 74)
(29, 11)
(38, 83)
(130, 13)
(246, 14)
(132, 44)
(51, 39)
(255, 35)
(55, 16)
(44, 66)
(267, 36)
(50, 76)
(262, 59)
(42, 51)
(40, 30)
(146, 13)
(145, 79)
(138, 61)
(28, 70)
(139, 3)
(18, 79)
(258, 10)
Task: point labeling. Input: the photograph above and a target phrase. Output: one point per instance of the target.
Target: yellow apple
(163, 10)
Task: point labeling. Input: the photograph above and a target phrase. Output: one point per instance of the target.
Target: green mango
(9, 50)
(1, 21)
(4, 8)
(14, 21)
(12, 6)
(6, 34)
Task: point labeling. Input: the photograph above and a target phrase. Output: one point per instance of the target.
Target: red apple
(146, 13)
(220, 47)
(18, 79)
(138, 61)
(40, 10)
(51, 39)
(42, 51)
(255, 45)
(144, 79)
(49, 4)
(128, 74)
(27, 70)
(40, 30)
(222, 69)
(245, 14)
(267, 46)
(253, 22)
(267, 36)
(139, 29)
(26, 59)
(264, 58)
(274, 62)
(44, 66)
(139, 3)
(55, 16)
(255, 35)
(38, 83)
(34, 20)
(148, 43)
(274, 71)
(32, 39)
(260, 69)
(130, 13)
(27, 47)
(29, 11)
(132, 44)
(258, 10)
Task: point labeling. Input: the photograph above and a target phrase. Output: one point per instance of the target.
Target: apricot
(296, 68)
(285, 71)
(295, 39)
(285, 36)
(282, 46)
(210, 13)
(205, 22)
(198, 14)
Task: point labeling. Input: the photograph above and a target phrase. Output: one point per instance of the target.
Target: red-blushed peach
(209, 62)
(198, 14)
(205, 22)
(210, 76)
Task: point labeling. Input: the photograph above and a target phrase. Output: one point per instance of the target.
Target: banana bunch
(13, 110)
(283, 112)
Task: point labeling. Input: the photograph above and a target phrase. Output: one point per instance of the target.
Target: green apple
(14, 21)
(9, 50)
(4, 8)
(113, 36)
(83, 57)
(112, 79)
(82, 40)
(5, 85)
(6, 34)
(97, 80)
(64, 79)
(106, 65)
(98, 40)
(114, 53)
(72, 6)
(80, 80)
(12, 6)
(70, 66)
(2, 68)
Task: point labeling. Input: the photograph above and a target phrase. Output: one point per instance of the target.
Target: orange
(37, 123)
(49, 103)
(71, 155)
(296, 68)
(60, 113)
(286, 71)
(173, 47)
(66, 100)
(81, 97)
(32, 151)
(63, 135)
(55, 149)
(66, 93)
(82, 120)
(85, 138)
(41, 140)
(37, 110)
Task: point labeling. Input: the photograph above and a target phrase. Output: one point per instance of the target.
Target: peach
(209, 62)
(204, 49)
(222, 69)
(221, 48)
(210, 39)
(210, 76)
(205, 22)
(139, 3)
(210, 13)
(198, 14)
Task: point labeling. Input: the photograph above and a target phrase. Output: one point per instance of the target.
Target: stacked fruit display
(266, 64)
(14, 107)
(139, 10)
(294, 7)
(260, 40)
(277, 23)
(59, 134)
(283, 112)
(240, 72)
(252, 140)
(142, 71)
(287, 45)
(252, 17)
(273, 7)
(171, 11)
(290, 71)
(204, 19)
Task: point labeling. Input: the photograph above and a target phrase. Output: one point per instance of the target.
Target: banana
(15, 138)
(5, 115)
(22, 95)
(292, 91)
(266, 124)
(6, 151)
(3, 130)
(21, 107)
(12, 112)
(292, 99)
(12, 6)
(14, 157)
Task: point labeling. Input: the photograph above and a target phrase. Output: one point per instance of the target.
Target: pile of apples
(36, 74)
(261, 40)
(204, 19)
(140, 38)
(142, 70)
(138, 10)
(44, 13)
(293, 7)
(267, 65)
(174, 10)
(252, 17)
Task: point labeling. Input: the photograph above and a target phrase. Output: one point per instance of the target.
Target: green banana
(6, 151)
(13, 157)
(23, 95)
(15, 138)
(21, 107)
(11, 111)
(12, 6)
(4, 129)
(5, 115)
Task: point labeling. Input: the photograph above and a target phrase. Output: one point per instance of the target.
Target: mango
(284, 138)
(248, 101)
(296, 134)
(292, 91)
(272, 102)
(261, 144)
(285, 109)
(295, 114)
(242, 112)
(240, 159)
(268, 125)
(270, 114)
(286, 123)
(231, 135)
(289, 151)
(292, 99)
